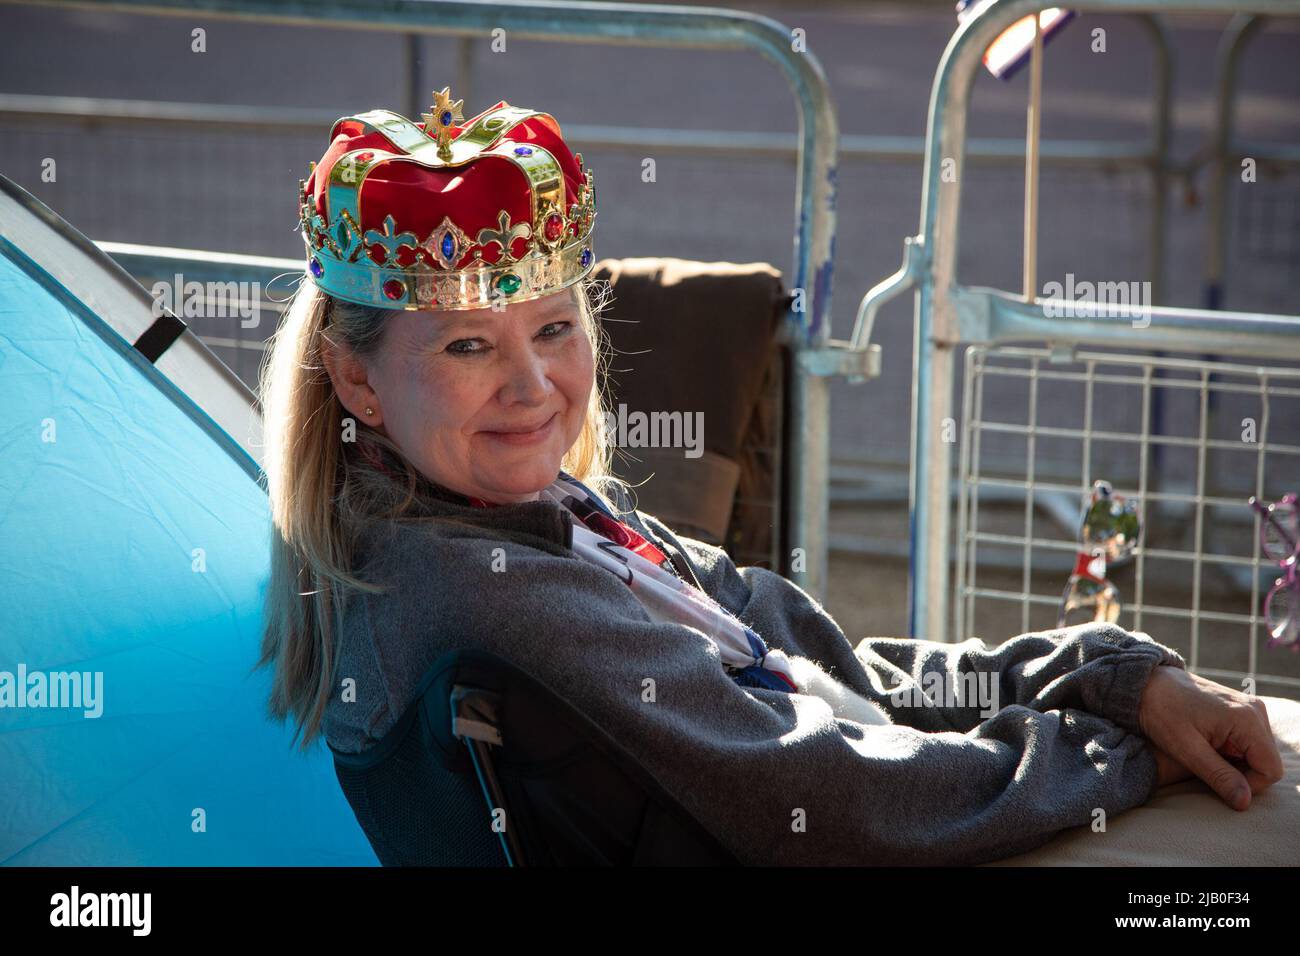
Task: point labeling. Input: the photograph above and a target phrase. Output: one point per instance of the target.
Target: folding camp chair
(489, 767)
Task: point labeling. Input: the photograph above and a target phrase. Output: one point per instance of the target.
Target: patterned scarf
(602, 539)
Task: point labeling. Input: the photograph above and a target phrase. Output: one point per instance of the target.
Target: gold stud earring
(369, 411)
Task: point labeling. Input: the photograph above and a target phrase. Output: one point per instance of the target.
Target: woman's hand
(1193, 724)
(1169, 770)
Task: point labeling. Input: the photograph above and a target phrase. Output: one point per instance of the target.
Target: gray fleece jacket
(778, 778)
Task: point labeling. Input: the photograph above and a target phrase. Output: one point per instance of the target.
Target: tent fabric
(134, 543)
(72, 264)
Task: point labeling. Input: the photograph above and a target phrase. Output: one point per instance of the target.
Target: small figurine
(1109, 532)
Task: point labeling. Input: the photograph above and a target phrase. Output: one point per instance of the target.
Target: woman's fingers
(1253, 744)
(1245, 761)
(1223, 778)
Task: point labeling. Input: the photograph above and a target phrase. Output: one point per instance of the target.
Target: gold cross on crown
(438, 122)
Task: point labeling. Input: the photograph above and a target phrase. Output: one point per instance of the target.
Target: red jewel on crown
(554, 226)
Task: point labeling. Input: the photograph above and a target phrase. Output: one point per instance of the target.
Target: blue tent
(133, 560)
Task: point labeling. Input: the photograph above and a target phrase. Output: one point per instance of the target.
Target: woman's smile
(515, 437)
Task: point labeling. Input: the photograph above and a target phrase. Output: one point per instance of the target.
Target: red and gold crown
(441, 215)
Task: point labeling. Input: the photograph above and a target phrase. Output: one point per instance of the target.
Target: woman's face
(484, 402)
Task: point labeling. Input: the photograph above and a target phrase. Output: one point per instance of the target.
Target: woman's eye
(553, 330)
(455, 350)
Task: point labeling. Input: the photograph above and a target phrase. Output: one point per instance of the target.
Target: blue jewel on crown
(446, 244)
(444, 112)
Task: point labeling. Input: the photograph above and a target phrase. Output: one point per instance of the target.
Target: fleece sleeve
(778, 778)
(1098, 668)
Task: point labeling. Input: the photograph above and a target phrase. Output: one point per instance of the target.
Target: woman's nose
(528, 378)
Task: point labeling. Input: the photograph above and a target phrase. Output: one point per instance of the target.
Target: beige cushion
(1186, 824)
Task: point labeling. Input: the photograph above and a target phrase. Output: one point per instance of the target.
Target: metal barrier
(807, 329)
(211, 271)
(948, 314)
(1226, 152)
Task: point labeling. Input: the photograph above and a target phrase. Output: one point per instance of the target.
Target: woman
(439, 480)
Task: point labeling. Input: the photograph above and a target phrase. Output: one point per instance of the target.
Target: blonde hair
(322, 495)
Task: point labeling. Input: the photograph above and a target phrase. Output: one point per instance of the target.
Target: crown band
(398, 288)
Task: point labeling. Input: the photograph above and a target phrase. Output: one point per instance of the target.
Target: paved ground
(216, 190)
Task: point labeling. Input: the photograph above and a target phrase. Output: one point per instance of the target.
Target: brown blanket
(700, 338)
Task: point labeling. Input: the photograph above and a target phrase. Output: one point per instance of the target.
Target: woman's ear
(351, 380)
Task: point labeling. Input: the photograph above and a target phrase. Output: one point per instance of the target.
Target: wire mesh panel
(1189, 440)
